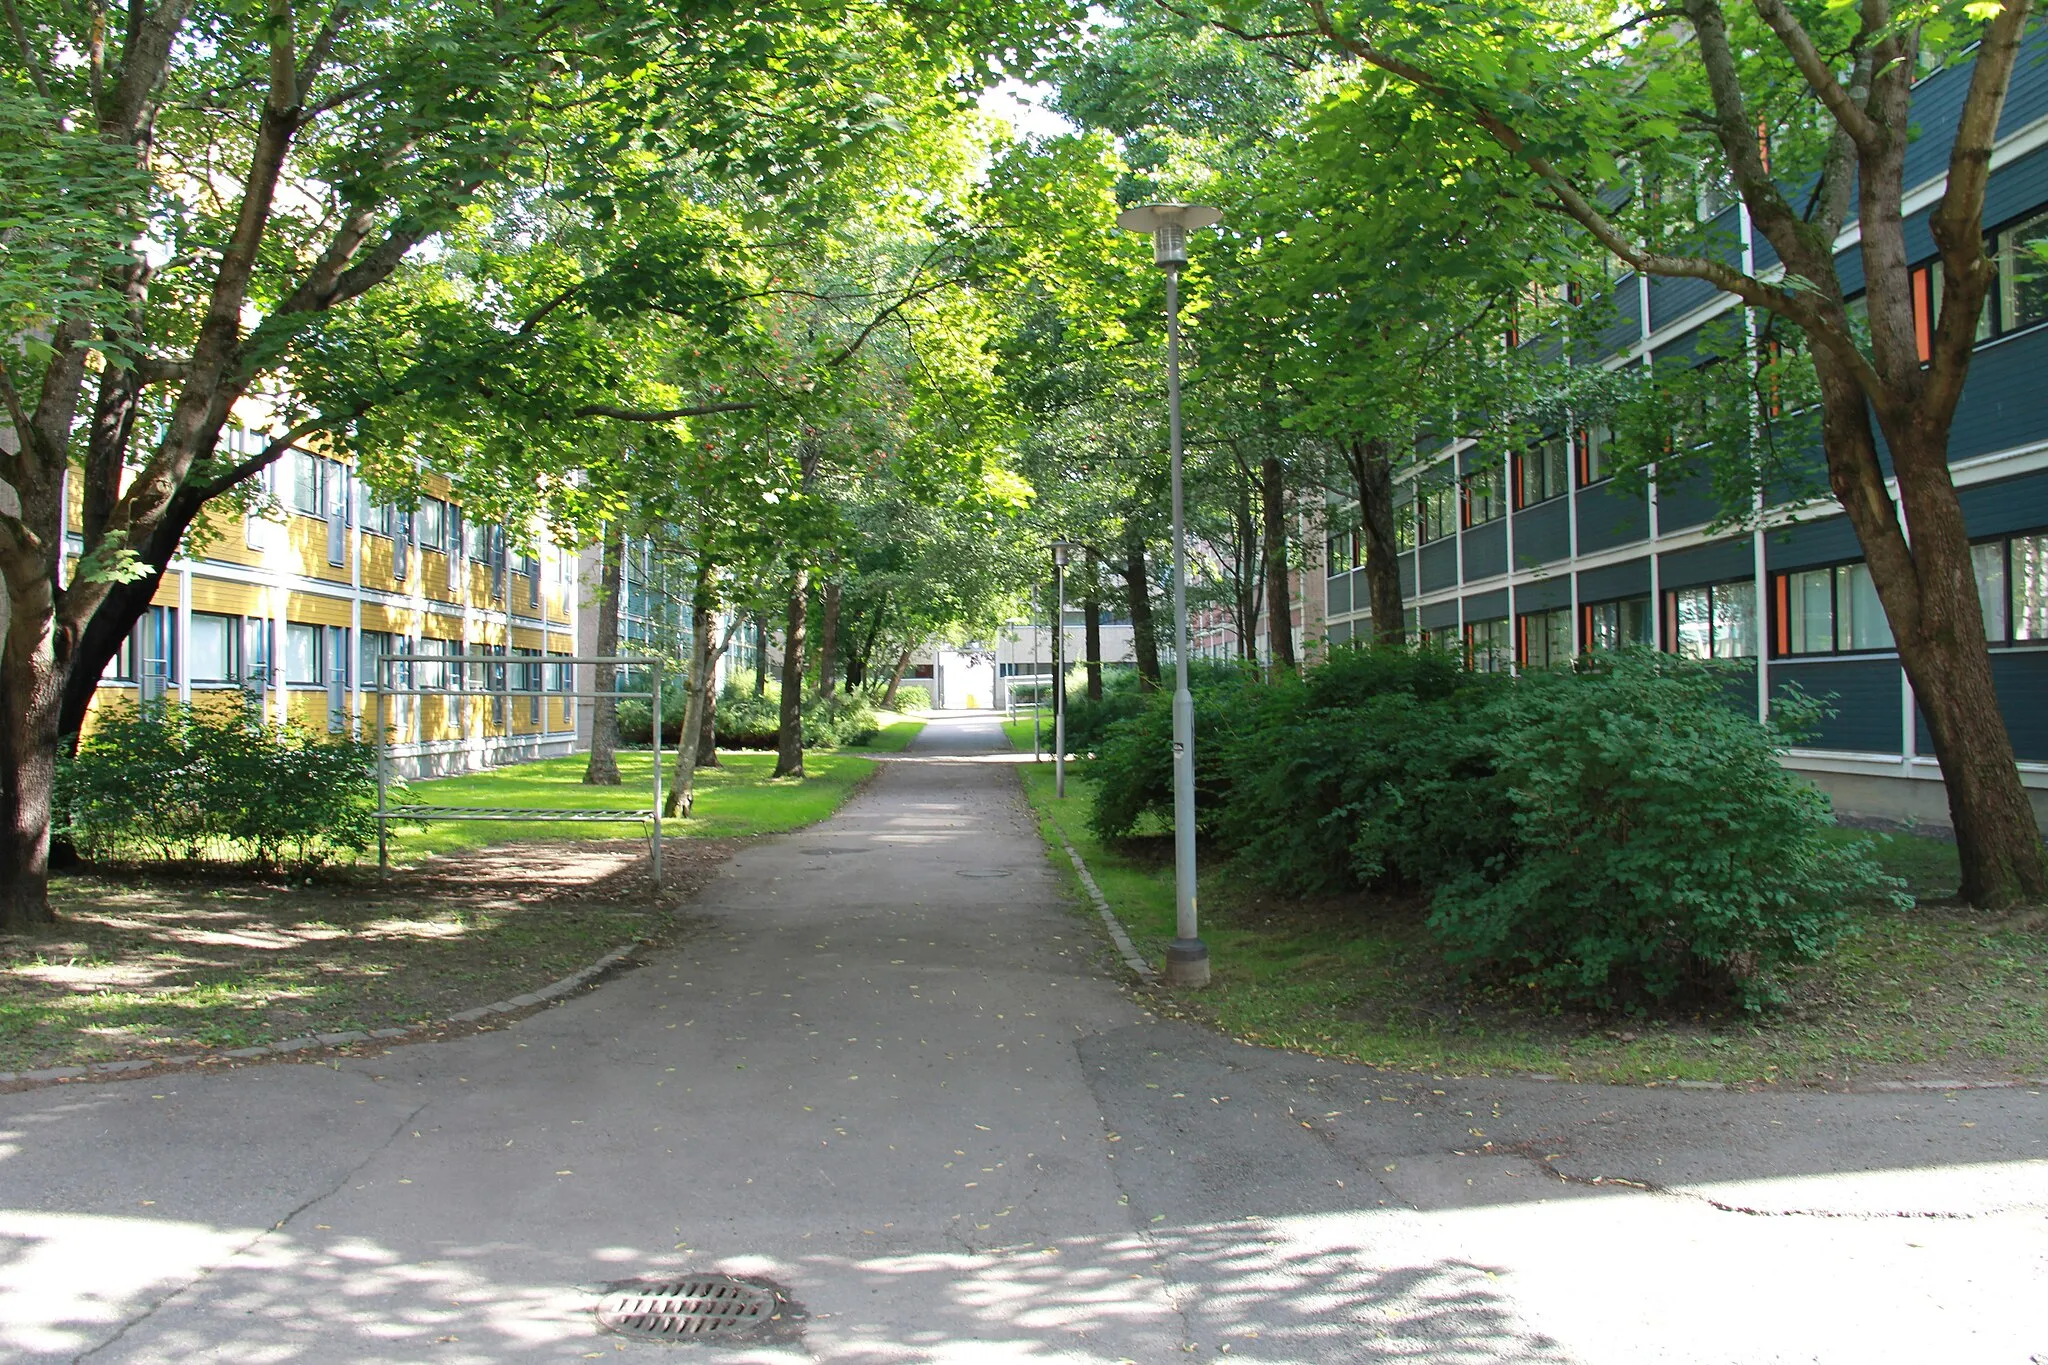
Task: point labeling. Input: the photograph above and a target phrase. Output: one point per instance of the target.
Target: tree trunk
(761, 655)
(1372, 470)
(683, 788)
(857, 666)
(31, 699)
(603, 770)
(1279, 609)
(1144, 639)
(896, 680)
(1929, 591)
(1246, 585)
(789, 734)
(828, 642)
(1091, 638)
(704, 621)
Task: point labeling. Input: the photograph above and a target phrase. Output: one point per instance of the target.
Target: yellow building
(295, 605)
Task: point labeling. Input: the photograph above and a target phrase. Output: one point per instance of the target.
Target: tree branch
(29, 58)
(1869, 135)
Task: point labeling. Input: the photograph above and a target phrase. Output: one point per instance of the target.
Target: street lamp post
(1061, 549)
(1187, 957)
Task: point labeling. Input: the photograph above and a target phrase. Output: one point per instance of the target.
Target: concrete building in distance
(1528, 557)
(292, 608)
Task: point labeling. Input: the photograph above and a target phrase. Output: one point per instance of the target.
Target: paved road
(892, 1075)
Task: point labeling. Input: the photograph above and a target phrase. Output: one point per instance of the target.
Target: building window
(1485, 495)
(1713, 622)
(1545, 638)
(1487, 646)
(1542, 473)
(430, 524)
(303, 656)
(2022, 289)
(1829, 611)
(1596, 454)
(215, 648)
(2027, 573)
(1433, 506)
(309, 484)
(1404, 526)
(1615, 625)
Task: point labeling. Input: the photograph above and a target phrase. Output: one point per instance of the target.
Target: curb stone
(1145, 973)
(547, 994)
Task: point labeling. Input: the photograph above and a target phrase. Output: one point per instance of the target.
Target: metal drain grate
(672, 1310)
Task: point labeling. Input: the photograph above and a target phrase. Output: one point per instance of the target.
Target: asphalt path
(893, 1074)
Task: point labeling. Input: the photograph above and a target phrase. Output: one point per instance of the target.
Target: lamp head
(1169, 225)
(1062, 550)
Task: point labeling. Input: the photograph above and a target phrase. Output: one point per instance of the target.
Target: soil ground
(146, 962)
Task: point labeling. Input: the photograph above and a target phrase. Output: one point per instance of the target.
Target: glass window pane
(2023, 275)
(1810, 601)
(213, 639)
(1735, 621)
(1863, 623)
(1695, 623)
(2030, 588)
(302, 653)
(1989, 562)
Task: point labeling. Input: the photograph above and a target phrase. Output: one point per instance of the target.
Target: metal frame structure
(459, 687)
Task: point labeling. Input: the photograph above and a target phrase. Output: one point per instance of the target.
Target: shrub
(1134, 772)
(1660, 847)
(1376, 774)
(169, 780)
(912, 697)
(1089, 722)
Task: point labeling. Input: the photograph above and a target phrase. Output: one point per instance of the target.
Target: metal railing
(458, 685)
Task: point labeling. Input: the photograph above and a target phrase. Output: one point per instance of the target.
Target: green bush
(1373, 772)
(1660, 850)
(746, 721)
(913, 697)
(169, 780)
(1134, 767)
(1089, 722)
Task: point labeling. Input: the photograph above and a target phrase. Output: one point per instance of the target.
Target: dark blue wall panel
(1615, 580)
(1810, 543)
(1623, 311)
(1486, 550)
(1864, 695)
(1487, 606)
(1439, 564)
(1544, 594)
(2010, 505)
(1608, 517)
(1441, 616)
(1407, 569)
(1714, 563)
(2021, 677)
(2005, 403)
(1542, 534)
(1340, 595)
(1685, 503)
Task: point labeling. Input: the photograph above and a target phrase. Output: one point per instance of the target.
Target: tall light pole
(1187, 957)
(1061, 549)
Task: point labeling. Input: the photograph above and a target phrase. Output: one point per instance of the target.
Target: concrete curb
(312, 1042)
(1128, 950)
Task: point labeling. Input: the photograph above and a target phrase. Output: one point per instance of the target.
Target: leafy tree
(1622, 121)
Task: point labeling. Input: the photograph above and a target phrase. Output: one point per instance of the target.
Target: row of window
(237, 651)
(2018, 297)
(1832, 610)
(1544, 472)
(320, 487)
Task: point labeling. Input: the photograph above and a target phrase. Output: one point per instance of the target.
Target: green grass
(896, 734)
(1019, 732)
(739, 797)
(1940, 990)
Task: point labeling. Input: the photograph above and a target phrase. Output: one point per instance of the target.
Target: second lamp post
(1187, 957)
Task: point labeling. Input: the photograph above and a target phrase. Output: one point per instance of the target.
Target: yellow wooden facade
(291, 609)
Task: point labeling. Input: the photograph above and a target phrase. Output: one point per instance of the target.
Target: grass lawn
(1019, 732)
(897, 732)
(737, 798)
(1940, 991)
(161, 961)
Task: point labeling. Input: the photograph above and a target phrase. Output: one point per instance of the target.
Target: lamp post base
(1187, 963)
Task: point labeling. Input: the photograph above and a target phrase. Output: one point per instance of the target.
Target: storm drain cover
(983, 872)
(680, 1309)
